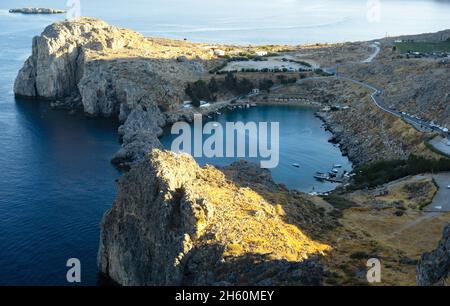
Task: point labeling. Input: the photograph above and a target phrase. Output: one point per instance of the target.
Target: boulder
(434, 267)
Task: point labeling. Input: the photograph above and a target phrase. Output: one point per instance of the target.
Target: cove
(303, 141)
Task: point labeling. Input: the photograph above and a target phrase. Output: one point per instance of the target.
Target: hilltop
(174, 223)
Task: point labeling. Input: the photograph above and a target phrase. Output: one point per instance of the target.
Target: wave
(240, 29)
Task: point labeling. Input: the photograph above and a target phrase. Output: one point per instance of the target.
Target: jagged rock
(434, 267)
(174, 223)
(112, 72)
(140, 134)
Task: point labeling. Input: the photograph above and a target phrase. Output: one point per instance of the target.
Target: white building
(205, 105)
(219, 52)
(261, 53)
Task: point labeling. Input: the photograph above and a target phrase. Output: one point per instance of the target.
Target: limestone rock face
(113, 72)
(174, 223)
(58, 56)
(140, 134)
(434, 267)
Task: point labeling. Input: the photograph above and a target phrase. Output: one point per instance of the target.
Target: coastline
(145, 93)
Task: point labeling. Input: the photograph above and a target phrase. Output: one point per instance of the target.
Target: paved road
(375, 96)
(417, 122)
(376, 46)
(441, 202)
(441, 144)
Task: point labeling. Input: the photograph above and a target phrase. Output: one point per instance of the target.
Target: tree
(265, 84)
(244, 86)
(213, 86)
(195, 101)
(198, 91)
(188, 90)
(230, 81)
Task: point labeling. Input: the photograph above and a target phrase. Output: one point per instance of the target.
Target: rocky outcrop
(174, 223)
(139, 134)
(37, 10)
(434, 267)
(113, 72)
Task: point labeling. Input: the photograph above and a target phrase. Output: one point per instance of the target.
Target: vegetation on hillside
(382, 172)
(424, 47)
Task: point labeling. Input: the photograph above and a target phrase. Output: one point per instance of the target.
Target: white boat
(321, 177)
(296, 165)
(337, 166)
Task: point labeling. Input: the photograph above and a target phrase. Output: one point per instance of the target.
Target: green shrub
(382, 172)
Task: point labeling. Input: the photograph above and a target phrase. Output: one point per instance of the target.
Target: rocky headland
(108, 71)
(174, 223)
(37, 10)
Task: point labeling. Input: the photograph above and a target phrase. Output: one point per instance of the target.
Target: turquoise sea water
(302, 140)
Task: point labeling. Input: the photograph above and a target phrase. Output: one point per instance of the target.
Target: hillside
(174, 223)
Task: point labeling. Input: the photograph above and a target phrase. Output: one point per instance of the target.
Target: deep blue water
(56, 180)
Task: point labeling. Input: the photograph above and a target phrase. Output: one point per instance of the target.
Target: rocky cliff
(108, 71)
(174, 223)
(434, 267)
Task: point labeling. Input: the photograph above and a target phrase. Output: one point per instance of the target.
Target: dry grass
(375, 229)
(417, 194)
(244, 222)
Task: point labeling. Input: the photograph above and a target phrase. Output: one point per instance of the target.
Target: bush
(244, 86)
(386, 171)
(213, 86)
(265, 84)
(198, 91)
(321, 72)
(218, 68)
(230, 81)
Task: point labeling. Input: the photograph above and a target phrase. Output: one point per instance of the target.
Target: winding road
(376, 46)
(377, 92)
(441, 202)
